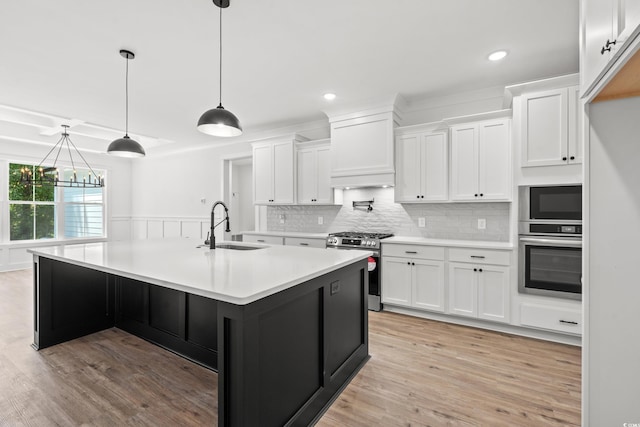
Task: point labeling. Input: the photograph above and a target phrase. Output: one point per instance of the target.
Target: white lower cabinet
(413, 281)
(467, 282)
(479, 290)
(552, 318)
(305, 242)
(263, 238)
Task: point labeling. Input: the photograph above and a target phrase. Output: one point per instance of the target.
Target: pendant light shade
(218, 121)
(125, 146)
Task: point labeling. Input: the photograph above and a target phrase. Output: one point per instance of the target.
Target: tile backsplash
(443, 220)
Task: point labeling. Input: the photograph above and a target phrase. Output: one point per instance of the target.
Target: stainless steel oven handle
(574, 243)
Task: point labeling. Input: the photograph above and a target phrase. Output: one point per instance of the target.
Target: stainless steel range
(356, 240)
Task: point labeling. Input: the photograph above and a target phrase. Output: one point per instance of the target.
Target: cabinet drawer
(480, 256)
(413, 251)
(305, 242)
(552, 318)
(263, 238)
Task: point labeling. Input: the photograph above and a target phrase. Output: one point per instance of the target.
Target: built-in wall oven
(550, 241)
(356, 240)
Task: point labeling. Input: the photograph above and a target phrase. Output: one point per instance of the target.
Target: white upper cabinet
(273, 172)
(314, 173)
(481, 161)
(607, 27)
(550, 127)
(422, 161)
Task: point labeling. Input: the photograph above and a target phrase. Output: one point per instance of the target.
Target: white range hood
(362, 148)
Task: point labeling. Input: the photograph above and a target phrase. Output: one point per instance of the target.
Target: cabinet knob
(475, 195)
(422, 197)
(413, 263)
(480, 270)
(572, 158)
(564, 158)
(481, 195)
(408, 263)
(475, 269)
(417, 197)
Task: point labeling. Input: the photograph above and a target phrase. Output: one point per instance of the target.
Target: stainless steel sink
(237, 247)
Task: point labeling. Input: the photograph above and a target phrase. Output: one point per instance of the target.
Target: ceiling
(60, 58)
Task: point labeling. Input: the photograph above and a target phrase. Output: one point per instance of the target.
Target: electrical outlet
(422, 222)
(281, 218)
(203, 200)
(482, 224)
(320, 220)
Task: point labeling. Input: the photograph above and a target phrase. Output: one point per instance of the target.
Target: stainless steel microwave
(551, 203)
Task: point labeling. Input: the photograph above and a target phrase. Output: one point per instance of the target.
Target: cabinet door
(323, 175)
(396, 281)
(307, 176)
(428, 285)
(408, 169)
(493, 293)
(494, 161)
(464, 162)
(435, 167)
(597, 29)
(262, 174)
(574, 143)
(463, 289)
(544, 128)
(283, 172)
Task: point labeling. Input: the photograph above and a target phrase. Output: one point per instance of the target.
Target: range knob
(373, 243)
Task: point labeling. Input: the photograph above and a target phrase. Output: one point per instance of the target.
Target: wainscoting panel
(155, 229)
(171, 228)
(192, 229)
(120, 229)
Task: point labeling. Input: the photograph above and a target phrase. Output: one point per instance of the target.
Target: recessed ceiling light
(329, 96)
(498, 55)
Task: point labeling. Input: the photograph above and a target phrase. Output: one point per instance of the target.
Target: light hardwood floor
(421, 373)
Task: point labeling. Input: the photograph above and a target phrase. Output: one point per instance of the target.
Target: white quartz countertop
(447, 242)
(288, 234)
(235, 276)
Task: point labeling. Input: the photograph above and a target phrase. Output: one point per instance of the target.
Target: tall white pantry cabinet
(610, 64)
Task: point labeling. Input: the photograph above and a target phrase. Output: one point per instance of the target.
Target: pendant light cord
(126, 97)
(220, 62)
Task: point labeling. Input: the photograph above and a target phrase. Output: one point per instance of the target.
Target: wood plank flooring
(421, 373)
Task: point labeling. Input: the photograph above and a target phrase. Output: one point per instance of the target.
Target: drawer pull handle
(568, 322)
(478, 256)
(304, 244)
(410, 252)
(260, 240)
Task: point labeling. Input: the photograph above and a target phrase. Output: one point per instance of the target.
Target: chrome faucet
(212, 242)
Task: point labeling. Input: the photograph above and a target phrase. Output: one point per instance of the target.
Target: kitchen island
(285, 328)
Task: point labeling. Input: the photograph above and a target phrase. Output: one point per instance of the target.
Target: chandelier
(50, 175)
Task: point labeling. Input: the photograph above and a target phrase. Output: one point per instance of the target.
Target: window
(48, 212)
(83, 210)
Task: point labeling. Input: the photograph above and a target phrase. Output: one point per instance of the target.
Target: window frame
(59, 208)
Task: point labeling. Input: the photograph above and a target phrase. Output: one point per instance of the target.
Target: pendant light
(218, 121)
(125, 146)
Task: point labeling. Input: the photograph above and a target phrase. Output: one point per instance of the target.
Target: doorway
(238, 194)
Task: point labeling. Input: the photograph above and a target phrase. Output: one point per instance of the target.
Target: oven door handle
(574, 243)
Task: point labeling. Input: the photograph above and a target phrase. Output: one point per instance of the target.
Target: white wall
(611, 365)
(13, 255)
(168, 190)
